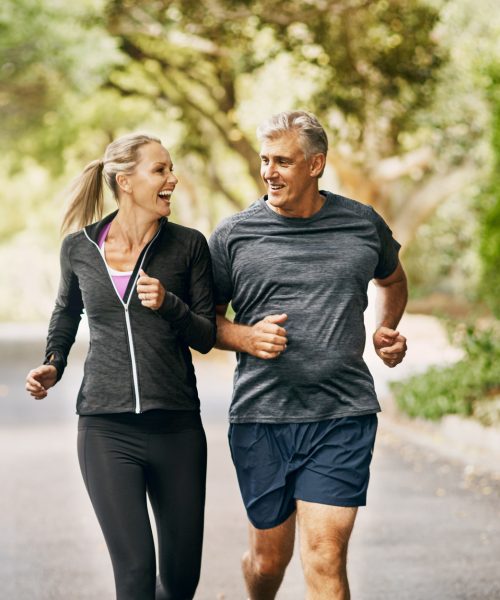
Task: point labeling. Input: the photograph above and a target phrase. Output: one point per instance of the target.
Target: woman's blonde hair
(86, 197)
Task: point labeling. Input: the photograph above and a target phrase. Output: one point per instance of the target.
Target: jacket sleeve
(194, 323)
(66, 315)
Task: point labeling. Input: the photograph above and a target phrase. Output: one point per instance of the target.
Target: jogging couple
(295, 267)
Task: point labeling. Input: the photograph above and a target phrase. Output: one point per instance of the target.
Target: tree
(380, 74)
(371, 70)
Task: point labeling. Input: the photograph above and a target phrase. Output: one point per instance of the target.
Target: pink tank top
(120, 278)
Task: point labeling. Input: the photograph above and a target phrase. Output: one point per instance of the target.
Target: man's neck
(303, 210)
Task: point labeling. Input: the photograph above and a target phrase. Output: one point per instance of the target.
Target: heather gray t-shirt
(316, 270)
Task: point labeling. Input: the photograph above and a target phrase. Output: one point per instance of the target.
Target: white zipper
(135, 377)
(134, 366)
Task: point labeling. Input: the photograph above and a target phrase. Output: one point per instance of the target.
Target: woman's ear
(122, 181)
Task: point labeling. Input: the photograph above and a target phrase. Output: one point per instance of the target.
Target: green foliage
(458, 388)
(52, 56)
(390, 69)
(489, 209)
(490, 253)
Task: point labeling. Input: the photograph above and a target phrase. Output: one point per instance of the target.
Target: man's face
(290, 177)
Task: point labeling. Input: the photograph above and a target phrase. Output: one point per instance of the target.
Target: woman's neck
(132, 230)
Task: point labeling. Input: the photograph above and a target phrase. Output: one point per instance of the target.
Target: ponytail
(86, 198)
(87, 194)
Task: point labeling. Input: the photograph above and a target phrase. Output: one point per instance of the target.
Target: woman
(146, 287)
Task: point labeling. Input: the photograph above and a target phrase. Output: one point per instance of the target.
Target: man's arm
(392, 295)
(265, 339)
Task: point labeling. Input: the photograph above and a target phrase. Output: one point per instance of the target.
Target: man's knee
(266, 565)
(324, 557)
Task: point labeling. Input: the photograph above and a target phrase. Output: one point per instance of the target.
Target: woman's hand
(39, 380)
(150, 291)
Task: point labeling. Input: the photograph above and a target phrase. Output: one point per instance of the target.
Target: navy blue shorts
(327, 462)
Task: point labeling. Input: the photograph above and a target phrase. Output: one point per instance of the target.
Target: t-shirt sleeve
(389, 249)
(223, 283)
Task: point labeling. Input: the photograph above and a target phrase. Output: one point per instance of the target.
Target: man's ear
(123, 182)
(317, 164)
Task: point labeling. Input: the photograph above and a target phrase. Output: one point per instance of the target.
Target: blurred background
(409, 92)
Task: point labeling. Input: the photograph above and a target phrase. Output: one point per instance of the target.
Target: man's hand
(266, 339)
(39, 380)
(150, 291)
(389, 345)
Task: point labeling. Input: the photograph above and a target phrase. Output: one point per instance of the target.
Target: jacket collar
(93, 231)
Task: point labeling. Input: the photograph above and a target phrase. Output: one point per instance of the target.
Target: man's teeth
(165, 194)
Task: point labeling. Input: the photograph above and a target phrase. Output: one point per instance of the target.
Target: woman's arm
(193, 323)
(62, 331)
(66, 315)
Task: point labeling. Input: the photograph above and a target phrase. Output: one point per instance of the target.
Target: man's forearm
(390, 304)
(231, 336)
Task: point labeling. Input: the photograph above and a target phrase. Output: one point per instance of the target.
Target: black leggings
(162, 454)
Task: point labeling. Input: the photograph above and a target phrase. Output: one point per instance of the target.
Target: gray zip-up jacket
(138, 359)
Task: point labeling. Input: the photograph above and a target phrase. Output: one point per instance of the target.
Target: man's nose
(269, 171)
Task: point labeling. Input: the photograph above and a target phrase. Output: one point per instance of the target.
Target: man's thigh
(336, 471)
(261, 466)
(324, 531)
(273, 545)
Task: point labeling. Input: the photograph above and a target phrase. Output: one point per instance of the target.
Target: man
(296, 266)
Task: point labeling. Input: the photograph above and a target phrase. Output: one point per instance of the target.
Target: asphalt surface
(431, 529)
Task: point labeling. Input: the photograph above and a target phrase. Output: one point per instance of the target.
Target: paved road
(431, 530)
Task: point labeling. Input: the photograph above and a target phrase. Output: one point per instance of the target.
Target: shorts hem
(335, 502)
(272, 524)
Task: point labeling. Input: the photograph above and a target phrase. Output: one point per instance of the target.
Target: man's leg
(324, 536)
(265, 562)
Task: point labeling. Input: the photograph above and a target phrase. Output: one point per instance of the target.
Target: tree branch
(423, 202)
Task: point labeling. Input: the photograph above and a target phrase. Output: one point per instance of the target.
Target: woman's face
(151, 184)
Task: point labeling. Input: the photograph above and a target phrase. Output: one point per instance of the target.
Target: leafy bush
(458, 388)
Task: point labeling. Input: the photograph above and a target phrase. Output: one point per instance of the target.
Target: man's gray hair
(311, 134)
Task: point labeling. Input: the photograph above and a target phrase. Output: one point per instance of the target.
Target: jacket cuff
(54, 359)
(173, 308)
